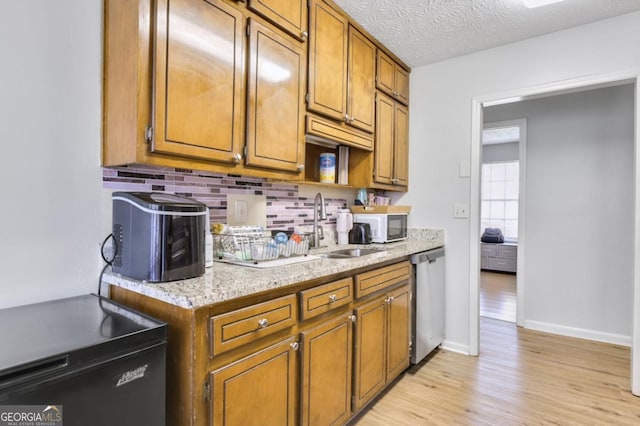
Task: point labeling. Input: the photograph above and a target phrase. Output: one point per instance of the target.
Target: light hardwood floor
(521, 377)
(498, 296)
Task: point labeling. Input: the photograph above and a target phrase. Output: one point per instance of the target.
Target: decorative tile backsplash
(285, 209)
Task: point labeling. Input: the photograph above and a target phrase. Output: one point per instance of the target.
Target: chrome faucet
(320, 209)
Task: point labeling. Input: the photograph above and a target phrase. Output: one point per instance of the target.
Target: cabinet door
(369, 360)
(275, 111)
(257, 390)
(290, 15)
(392, 79)
(385, 134)
(361, 69)
(401, 81)
(326, 372)
(401, 145)
(199, 79)
(327, 61)
(398, 319)
(385, 73)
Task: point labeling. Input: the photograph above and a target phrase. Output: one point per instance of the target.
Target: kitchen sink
(350, 253)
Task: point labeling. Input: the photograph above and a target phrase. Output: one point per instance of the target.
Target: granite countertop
(223, 281)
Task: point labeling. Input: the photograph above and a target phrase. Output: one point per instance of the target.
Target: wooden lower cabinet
(381, 343)
(398, 323)
(314, 354)
(259, 389)
(326, 372)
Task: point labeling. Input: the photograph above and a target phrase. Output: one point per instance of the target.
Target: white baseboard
(450, 346)
(598, 336)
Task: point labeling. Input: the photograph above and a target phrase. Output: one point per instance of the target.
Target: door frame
(522, 160)
(526, 93)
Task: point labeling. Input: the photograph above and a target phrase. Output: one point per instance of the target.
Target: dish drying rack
(253, 244)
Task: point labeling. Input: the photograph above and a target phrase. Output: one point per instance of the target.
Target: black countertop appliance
(83, 360)
(159, 237)
(360, 234)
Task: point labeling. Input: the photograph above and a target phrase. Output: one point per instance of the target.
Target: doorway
(502, 183)
(533, 93)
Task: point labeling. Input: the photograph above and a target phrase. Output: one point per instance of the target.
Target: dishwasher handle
(429, 256)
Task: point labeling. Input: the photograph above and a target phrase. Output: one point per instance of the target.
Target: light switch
(461, 211)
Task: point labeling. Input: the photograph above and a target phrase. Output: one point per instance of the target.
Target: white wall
(50, 114)
(440, 127)
(579, 185)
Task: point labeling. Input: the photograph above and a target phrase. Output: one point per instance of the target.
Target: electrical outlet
(461, 211)
(247, 209)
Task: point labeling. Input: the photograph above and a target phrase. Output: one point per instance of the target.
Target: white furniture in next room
(499, 257)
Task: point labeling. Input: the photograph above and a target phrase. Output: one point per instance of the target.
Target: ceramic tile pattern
(285, 209)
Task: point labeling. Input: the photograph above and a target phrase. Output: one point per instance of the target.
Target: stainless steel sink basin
(350, 253)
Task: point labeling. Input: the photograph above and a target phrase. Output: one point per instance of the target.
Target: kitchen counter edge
(223, 282)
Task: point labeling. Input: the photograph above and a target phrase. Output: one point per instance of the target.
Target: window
(499, 196)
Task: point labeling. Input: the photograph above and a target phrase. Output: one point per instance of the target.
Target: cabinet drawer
(339, 132)
(236, 328)
(500, 264)
(488, 250)
(508, 251)
(324, 298)
(378, 279)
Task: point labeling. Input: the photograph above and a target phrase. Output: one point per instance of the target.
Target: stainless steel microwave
(385, 227)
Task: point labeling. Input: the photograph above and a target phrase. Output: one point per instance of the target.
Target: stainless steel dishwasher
(428, 303)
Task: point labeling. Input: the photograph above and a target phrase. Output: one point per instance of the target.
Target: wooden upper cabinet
(275, 109)
(327, 61)
(401, 147)
(290, 15)
(385, 135)
(199, 74)
(402, 85)
(361, 88)
(392, 142)
(385, 73)
(391, 78)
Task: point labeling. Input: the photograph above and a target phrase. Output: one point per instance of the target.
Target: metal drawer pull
(352, 318)
(295, 346)
(333, 298)
(263, 322)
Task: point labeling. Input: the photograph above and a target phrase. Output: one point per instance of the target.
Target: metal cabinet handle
(263, 322)
(346, 118)
(300, 167)
(237, 157)
(304, 35)
(352, 318)
(391, 299)
(295, 346)
(333, 298)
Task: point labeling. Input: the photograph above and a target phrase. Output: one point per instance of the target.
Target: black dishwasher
(85, 359)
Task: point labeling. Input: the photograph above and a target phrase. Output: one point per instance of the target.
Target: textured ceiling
(421, 32)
